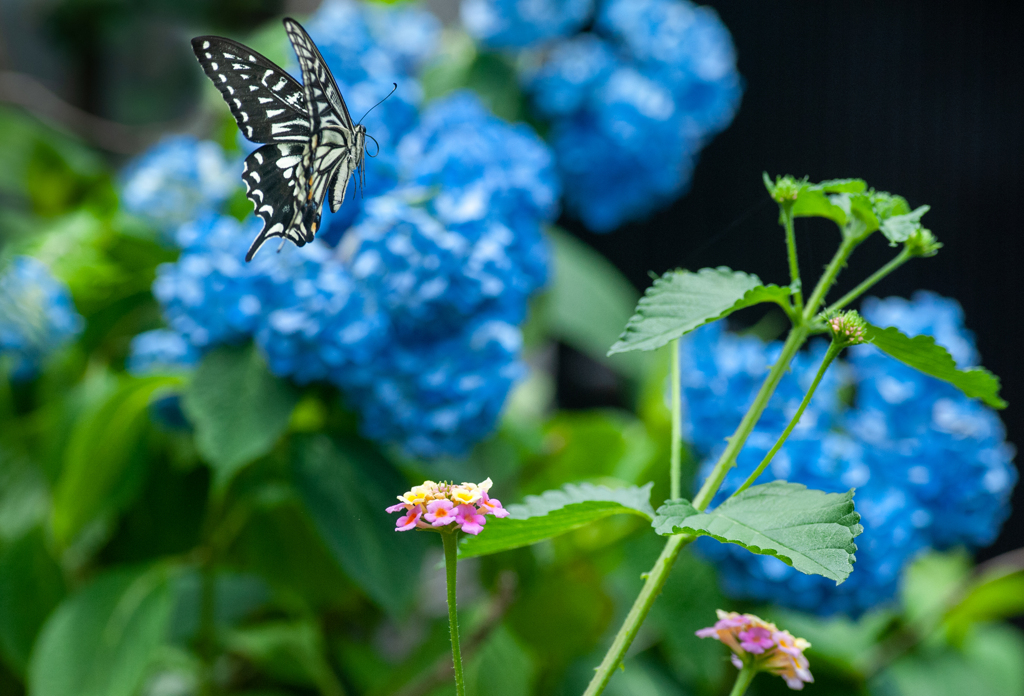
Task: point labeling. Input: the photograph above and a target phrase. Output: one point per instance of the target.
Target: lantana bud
(756, 642)
(447, 506)
(922, 243)
(847, 328)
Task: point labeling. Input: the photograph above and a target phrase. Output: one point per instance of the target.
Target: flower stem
(829, 277)
(451, 552)
(833, 351)
(677, 420)
(882, 272)
(637, 613)
(743, 679)
(727, 460)
(794, 266)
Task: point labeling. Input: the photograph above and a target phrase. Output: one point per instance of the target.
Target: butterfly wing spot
(206, 44)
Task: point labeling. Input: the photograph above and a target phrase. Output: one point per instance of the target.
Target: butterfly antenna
(380, 102)
(375, 143)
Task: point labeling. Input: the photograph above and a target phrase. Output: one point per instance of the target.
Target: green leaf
(810, 530)
(924, 354)
(102, 468)
(100, 640)
(589, 302)
(238, 408)
(31, 585)
(841, 186)
(287, 651)
(899, 228)
(556, 512)
(680, 301)
(345, 488)
(817, 203)
(501, 667)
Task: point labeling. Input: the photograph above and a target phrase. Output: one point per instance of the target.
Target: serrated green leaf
(841, 186)
(238, 409)
(816, 203)
(99, 642)
(899, 228)
(556, 512)
(924, 354)
(681, 301)
(811, 530)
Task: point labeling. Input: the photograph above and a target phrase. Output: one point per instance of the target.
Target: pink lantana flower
(440, 513)
(438, 506)
(471, 521)
(756, 642)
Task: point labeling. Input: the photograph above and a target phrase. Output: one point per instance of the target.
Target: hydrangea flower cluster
(178, 180)
(931, 467)
(631, 103)
(447, 506)
(37, 316)
(757, 642)
(415, 315)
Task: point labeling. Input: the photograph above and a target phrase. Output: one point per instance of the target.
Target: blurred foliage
(224, 533)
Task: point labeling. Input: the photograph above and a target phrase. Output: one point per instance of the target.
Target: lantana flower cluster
(762, 645)
(931, 466)
(37, 316)
(410, 299)
(447, 506)
(631, 102)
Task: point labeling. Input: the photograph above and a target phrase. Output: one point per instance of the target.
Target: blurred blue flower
(37, 316)
(441, 397)
(160, 350)
(178, 180)
(632, 105)
(520, 23)
(931, 467)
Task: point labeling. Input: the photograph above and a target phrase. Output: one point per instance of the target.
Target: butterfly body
(311, 146)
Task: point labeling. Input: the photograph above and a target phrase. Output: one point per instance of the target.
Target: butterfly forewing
(327, 107)
(268, 104)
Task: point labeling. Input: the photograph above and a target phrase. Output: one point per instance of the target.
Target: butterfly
(312, 146)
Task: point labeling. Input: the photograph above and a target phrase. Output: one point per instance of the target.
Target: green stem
(828, 277)
(637, 613)
(833, 351)
(882, 272)
(451, 553)
(727, 460)
(743, 680)
(794, 266)
(677, 424)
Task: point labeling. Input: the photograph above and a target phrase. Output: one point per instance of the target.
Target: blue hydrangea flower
(520, 23)
(633, 103)
(160, 350)
(178, 180)
(37, 316)
(319, 325)
(931, 467)
(477, 165)
(441, 397)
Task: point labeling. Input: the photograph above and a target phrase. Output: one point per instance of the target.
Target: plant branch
(451, 554)
(833, 351)
(677, 418)
(828, 278)
(794, 265)
(882, 272)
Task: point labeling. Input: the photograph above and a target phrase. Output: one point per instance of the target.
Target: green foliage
(289, 651)
(31, 585)
(100, 640)
(681, 301)
(102, 467)
(239, 409)
(552, 513)
(924, 354)
(589, 302)
(810, 530)
(345, 488)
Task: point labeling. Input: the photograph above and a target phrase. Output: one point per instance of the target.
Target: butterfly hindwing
(274, 182)
(268, 104)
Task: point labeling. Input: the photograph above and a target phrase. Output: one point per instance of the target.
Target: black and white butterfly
(313, 147)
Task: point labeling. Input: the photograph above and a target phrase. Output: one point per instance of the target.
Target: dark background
(924, 99)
